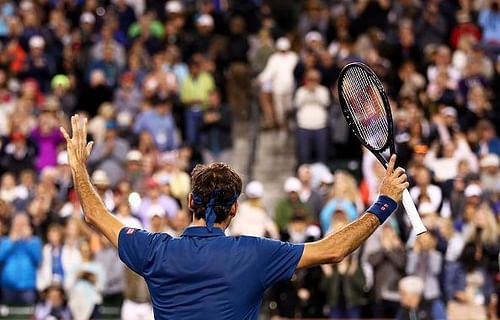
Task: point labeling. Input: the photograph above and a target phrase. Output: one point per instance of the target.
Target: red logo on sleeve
(130, 231)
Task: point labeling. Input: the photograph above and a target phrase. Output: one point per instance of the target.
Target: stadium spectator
(253, 219)
(110, 154)
(412, 304)
(54, 305)
(20, 255)
(312, 101)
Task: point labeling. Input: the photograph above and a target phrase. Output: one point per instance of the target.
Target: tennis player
(204, 274)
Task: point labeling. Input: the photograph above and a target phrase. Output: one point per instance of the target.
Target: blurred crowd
(164, 84)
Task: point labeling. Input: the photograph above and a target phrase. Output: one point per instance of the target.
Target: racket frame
(408, 203)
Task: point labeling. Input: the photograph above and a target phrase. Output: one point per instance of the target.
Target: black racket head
(366, 107)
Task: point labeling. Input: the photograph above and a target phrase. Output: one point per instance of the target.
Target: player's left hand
(78, 148)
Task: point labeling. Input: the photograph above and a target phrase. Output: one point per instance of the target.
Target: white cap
(313, 36)
(155, 210)
(174, 7)
(411, 284)
(87, 17)
(168, 157)
(449, 111)
(254, 189)
(134, 155)
(426, 208)
(26, 5)
(36, 42)
(283, 44)
(100, 177)
(205, 20)
(62, 158)
(490, 160)
(292, 184)
(327, 178)
(473, 190)
(124, 119)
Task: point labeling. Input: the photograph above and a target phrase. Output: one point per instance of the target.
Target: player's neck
(202, 223)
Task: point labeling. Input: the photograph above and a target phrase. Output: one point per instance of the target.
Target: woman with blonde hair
(344, 196)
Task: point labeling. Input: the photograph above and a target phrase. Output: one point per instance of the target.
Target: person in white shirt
(279, 73)
(312, 101)
(252, 218)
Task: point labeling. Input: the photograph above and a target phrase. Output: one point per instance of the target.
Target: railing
(253, 130)
(27, 312)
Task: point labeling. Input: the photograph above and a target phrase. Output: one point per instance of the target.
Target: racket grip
(412, 213)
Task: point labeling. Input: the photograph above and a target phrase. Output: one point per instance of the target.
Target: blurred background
(169, 84)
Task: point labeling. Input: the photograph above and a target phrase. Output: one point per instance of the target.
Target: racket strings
(366, 106)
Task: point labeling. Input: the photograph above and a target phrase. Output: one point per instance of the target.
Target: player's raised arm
(334, 247)
(93, 207)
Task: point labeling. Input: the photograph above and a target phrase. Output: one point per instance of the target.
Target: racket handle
(412, 213)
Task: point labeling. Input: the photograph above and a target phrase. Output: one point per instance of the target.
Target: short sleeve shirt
(207, 275)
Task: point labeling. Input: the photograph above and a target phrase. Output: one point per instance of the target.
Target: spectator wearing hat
(124, 214)
(61, 89)
(17, 153)
(38, 64)
(159, 123)
(102, 184)
(291, 205)
(203, 41)
(127, 97)
(252, 218)
(20, 254)
(148, 30)
(279, 74)
(489, 172)
(169, 168)
(156, 200)
(216, 131)
(412, 305)
(110, 154)
(133, 171)
(47, 135)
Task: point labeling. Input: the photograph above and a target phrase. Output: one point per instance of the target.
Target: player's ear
(234, 209)
(190, 201)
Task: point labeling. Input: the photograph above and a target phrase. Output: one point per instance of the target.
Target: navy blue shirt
(207, 275)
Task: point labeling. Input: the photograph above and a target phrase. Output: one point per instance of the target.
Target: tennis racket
(367, 111)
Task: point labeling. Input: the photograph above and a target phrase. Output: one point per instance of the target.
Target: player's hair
(214, 176)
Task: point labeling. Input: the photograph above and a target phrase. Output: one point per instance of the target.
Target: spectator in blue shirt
(20, 254)
(159, 123)
(204, 274)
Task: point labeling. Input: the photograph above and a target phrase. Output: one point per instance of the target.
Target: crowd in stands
(164, 84)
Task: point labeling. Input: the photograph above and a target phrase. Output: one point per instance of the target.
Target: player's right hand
(78, 148)
(395, 181)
